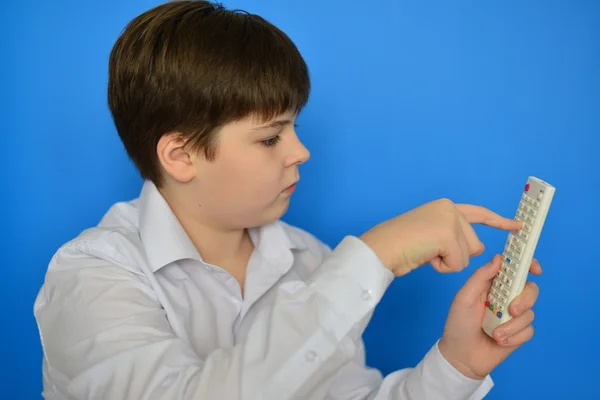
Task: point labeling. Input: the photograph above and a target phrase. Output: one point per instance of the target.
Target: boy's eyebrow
(273, 124)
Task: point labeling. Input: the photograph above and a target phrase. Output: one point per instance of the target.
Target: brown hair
(193, 66)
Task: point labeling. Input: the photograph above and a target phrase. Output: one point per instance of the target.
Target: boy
(197, 290)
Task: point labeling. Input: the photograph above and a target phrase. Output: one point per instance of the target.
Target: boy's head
(204, 100)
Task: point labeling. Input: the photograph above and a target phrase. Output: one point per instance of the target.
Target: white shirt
(129, 310)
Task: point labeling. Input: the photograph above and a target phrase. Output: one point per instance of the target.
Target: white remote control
(518, 252)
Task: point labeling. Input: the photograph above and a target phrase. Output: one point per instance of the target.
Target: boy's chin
(275, 212)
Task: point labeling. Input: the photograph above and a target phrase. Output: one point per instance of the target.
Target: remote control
(518, 252)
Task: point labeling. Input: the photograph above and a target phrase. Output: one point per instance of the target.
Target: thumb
(482, 278)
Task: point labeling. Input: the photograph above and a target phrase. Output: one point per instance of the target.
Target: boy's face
(251, 180)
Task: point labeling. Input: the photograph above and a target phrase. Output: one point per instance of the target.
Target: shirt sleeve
(433, 378)
(106, 336)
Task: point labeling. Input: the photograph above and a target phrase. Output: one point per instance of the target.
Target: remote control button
(519, 233)
(499, 314)
(515, 246)
(529, 199)
(540, 195)
(487, 303)
(527, 187)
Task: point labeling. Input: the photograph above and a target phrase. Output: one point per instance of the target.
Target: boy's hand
(439, 233)
(464, 343)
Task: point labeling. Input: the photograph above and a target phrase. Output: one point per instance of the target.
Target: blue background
(413, 100)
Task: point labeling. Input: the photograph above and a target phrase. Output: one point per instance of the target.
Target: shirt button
(311, 356)
(367, 295)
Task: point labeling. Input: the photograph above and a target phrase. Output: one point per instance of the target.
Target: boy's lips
(291, 188)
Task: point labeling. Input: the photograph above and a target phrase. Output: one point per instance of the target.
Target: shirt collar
(165, 241)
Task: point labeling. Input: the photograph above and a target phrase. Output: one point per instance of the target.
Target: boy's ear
(175, 157)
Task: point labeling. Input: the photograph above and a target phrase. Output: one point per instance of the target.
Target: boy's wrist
(386, 254)
(453, 360)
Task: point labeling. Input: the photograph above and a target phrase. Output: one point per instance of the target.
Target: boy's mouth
(291, 188)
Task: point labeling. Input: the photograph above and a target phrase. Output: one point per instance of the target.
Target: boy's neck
(219, 247)
(229, 249)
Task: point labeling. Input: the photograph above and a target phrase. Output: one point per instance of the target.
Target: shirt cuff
(436, 378)
(352, 277)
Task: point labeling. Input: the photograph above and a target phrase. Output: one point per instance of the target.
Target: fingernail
(518, 309)
(501, 335)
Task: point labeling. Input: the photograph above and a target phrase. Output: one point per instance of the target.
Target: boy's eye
(272, 141)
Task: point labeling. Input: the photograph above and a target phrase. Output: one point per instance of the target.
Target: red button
(487, 303)
(527, 187)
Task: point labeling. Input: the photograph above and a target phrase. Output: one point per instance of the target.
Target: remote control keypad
(497, 300)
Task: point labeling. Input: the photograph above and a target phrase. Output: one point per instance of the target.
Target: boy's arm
(433, 378)
(105, 334)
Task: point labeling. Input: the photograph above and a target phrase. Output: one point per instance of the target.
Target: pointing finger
(481, 215)
(476, 247)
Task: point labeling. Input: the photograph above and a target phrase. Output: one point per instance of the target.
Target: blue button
(499, 314)
(508, 260)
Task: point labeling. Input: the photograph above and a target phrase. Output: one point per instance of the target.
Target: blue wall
(413, 100)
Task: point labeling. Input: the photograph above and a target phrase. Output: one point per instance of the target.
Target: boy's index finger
(481, 215)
